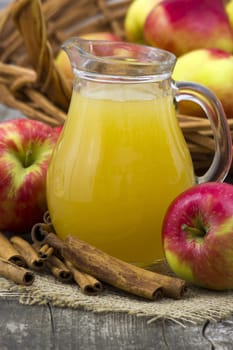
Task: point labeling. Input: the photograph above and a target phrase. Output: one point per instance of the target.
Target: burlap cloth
(197, 305)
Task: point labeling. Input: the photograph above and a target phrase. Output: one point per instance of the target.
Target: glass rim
(118, 58)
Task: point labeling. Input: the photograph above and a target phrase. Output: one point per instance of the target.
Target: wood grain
(45, 327)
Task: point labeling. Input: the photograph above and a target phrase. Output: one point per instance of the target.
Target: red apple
(180, 26)
(197, 235)
(25, 149)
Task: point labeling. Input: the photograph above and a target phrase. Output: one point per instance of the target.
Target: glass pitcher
(122, 158)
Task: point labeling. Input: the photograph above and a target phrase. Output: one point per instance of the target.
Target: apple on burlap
(197, 235)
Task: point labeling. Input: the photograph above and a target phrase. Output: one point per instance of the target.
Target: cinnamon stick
(88, 284)
(47, 218)
(108, 273)
(39, 232)
(8, 252)
(111, 270)
(45, 251)
(59, 269)
(28, 252)
(17, 274)
(120, 274)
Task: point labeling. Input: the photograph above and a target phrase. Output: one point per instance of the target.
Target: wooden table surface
(46, 327)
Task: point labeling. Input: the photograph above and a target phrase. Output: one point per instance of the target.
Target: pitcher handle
(213, 109)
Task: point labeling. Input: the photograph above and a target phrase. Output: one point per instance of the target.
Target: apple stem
(194, 230)
(27, 160)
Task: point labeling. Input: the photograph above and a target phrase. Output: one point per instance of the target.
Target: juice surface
(118, 165)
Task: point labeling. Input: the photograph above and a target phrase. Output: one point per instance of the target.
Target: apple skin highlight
(204, 259)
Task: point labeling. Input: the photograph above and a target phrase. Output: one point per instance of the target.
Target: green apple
(135, 18)
(180, 26)
(211, 68)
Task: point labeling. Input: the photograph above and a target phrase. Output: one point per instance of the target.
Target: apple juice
(120, 161)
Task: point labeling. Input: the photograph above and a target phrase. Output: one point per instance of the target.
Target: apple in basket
(212, 68)
(25, 149)
(135, 18)
(180, 26)
(197, 235)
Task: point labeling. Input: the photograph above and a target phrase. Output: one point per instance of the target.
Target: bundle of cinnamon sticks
(73, 260)
(19, 259)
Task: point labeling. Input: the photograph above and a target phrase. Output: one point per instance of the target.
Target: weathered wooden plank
(42, 327)
(220, 334)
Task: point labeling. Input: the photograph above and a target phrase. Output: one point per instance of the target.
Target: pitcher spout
(118, 58)
(76, 49)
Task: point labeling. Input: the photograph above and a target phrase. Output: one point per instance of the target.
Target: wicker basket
(31, 33)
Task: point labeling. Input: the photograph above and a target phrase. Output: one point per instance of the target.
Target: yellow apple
(63, 62)
(212, 68)
(135, 18)
(229, 10)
